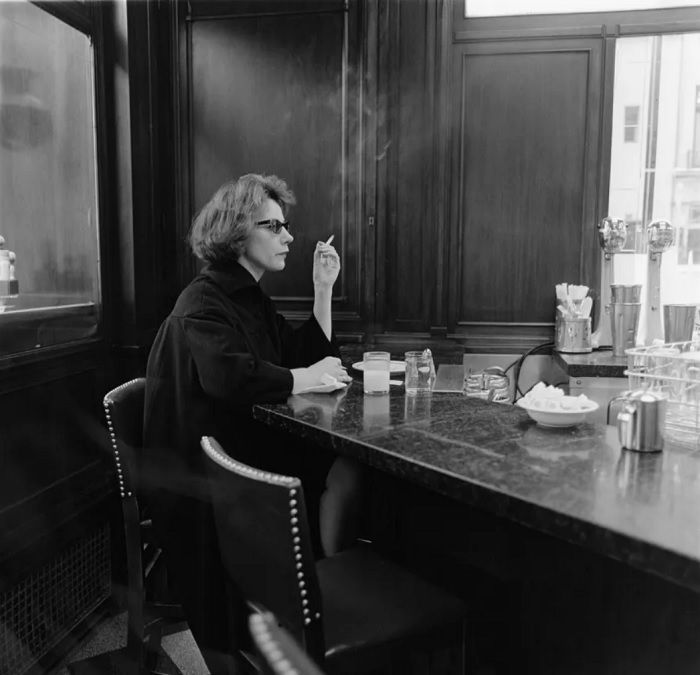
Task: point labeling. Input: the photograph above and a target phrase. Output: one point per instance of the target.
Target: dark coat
(222, 349)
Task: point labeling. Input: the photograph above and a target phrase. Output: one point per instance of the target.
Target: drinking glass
(492, 384)
(376, 372)
(420, 372)
(376, 413)
(679, 322)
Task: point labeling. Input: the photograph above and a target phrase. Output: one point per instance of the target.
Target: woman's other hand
(331, 365)
(326, 265)
(311, 376)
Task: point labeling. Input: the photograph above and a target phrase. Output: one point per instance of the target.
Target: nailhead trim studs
(108, 404)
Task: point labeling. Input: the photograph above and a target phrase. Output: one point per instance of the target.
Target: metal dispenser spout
(612, 234)
(660, 237)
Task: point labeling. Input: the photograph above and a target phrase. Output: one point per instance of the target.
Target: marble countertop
(576, 484)
(593, 364)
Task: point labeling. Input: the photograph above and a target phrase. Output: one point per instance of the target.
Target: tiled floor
(180, 653)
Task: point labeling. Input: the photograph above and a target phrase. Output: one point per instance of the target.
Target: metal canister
(573, 336)
(640, 423)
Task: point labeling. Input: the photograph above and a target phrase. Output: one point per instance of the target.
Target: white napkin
(329, 384)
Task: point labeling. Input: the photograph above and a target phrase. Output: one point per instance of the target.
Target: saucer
(394, 366)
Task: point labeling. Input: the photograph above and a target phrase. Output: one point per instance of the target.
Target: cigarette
(330, 239)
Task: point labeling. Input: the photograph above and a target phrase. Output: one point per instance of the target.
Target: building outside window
(689, 238)
(631, 123)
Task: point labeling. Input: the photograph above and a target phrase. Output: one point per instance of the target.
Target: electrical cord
(518, 364)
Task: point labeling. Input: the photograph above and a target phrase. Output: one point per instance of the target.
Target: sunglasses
(274, 225)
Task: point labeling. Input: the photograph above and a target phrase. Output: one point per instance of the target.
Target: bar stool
(150, 614)
(353, 612)
(277, 651)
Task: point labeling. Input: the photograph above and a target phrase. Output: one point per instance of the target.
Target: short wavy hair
(220, 229)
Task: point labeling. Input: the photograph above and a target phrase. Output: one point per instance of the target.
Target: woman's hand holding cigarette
(326, 263)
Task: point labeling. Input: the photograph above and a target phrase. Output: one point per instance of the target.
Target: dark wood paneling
(49, 433)
(524, 208)
(410, 217)
(148, 285)
(56, 471)
(278, 94)
(202, 9)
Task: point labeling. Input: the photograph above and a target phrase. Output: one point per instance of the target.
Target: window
(657, 77)
(631, 123)
(475, 8)
(48, 176)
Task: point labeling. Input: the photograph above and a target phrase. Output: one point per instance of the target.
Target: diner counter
(594, 364)
(576, 484)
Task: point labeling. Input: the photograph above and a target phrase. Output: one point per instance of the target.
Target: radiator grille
(43, 607)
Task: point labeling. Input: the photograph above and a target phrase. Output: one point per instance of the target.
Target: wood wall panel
(410, 217)
(524, 207)
(269, 94)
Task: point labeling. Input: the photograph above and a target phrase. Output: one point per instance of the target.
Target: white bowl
(556, 417)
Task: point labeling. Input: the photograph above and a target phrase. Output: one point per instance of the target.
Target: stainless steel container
(625, 292)
(640, 423)
(624, 320)
(679, 322)
(573, 336)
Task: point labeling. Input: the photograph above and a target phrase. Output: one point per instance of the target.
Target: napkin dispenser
(572, 327)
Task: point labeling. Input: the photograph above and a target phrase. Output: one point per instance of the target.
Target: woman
(223, 348)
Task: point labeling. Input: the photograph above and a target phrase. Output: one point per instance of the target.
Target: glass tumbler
(420, 372)
(376, 372)
(490, 385)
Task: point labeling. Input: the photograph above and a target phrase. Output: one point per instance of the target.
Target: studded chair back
(265, 543)
(124, 412)
(147, 616)
(278, 653)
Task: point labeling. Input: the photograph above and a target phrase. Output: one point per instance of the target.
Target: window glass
(48, 203)
(474, 8)
(631, 123)
(657, 176)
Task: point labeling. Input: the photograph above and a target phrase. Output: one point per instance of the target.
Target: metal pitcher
(640, 422)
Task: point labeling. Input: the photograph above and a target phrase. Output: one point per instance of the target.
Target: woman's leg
(341, 505)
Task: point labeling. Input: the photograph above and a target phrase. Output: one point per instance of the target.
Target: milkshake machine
(612, 234)
(660, 237)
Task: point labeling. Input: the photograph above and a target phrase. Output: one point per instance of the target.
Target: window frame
(90, 19)
(605, 25)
